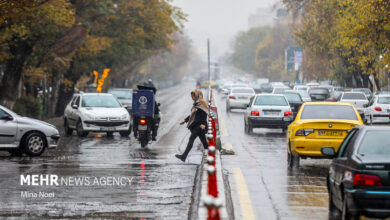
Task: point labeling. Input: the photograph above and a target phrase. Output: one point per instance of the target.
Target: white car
(378, 110)
(268, 111)
(20, 134)
(358, 99)
(239, 98)
(225, 89)
(96, 112)
(305, 96)
(277, 84)
(279, 89)
(313, 84)
(366, 92)
(301, 88)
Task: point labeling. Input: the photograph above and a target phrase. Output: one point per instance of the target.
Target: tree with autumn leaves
(343, 40)
(60, 42)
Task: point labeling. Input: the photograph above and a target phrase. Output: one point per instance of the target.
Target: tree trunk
(11, 87)
(63, 99)
(348, 82)
(65, 93)
(366, 80)
(53, 99)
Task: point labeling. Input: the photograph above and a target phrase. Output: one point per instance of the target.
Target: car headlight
(125, 116)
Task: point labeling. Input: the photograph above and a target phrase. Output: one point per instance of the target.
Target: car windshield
(319, 91)
(384, 100)
(122, 94)
(7, 110)
(354, 96)
(375, 143)
(249, 91)
(271, 100)
(104, 101)
(329, 112)
(328, 88)
(292, 97)
(303, 94)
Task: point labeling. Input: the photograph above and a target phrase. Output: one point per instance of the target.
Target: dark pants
(155, 126)
(195, 132)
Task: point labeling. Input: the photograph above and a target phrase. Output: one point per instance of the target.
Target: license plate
(107, 129)
(242, 98)
(271, 112)
(142, 127)
(330, 133)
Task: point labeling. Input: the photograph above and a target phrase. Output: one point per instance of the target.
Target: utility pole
(208, 59)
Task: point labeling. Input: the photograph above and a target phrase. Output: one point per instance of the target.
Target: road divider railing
(211, 200)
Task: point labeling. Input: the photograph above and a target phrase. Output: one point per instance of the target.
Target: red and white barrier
(211, 201)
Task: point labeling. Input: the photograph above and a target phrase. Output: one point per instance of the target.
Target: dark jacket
(200, 118)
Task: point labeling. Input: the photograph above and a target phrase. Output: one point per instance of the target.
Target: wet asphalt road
(158, 185)
(261, 185)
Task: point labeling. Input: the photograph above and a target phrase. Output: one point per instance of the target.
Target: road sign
(293, 58)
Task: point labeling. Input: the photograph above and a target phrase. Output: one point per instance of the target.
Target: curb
(202, 211)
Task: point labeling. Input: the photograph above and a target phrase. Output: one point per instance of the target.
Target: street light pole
(208, 58)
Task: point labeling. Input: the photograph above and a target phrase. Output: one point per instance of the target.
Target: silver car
(268, 111)
(378, 110)
(358, 99)
(239, 98)
(20, 134)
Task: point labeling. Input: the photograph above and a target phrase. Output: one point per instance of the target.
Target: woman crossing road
(196, 122)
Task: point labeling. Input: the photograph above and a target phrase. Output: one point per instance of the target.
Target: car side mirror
(7, 118)
(75, 106)
(247, 105)
(365, 105)
(158, 104)
(328, 151)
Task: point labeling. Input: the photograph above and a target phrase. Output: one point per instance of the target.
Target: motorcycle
(144, 118)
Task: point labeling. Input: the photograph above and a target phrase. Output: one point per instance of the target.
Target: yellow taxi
(206, 84)
(317, 125)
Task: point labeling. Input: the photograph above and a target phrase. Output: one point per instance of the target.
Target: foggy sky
(219, 20)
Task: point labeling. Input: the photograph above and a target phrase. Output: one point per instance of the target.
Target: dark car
(335, 96)
(266, 88)
(319, 94)
(295, 101)
(358, 181)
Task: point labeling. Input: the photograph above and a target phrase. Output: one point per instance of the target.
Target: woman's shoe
(180, 157)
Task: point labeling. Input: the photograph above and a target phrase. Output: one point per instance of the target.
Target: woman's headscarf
(199, 103)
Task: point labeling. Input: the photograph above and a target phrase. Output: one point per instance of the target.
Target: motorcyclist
(156, 123)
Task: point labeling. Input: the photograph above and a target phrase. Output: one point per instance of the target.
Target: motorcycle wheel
(144, 143)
